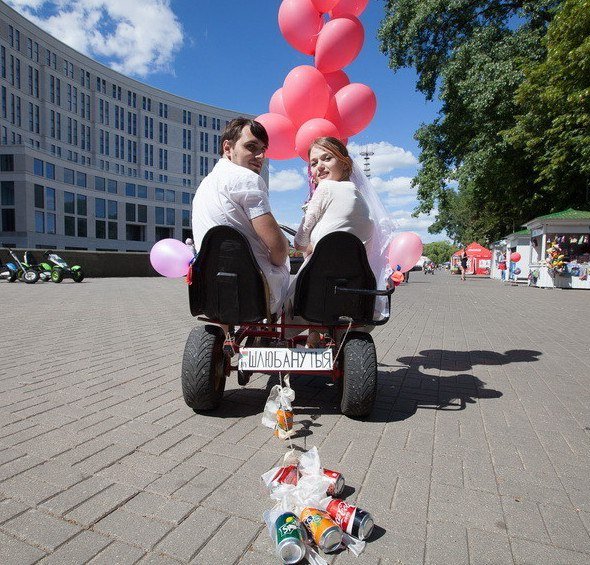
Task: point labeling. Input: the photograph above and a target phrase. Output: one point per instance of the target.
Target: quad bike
(23, 271)
(335, 294)
(60, 269)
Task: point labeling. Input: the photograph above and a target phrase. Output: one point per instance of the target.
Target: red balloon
(336, 81)
(349, 8)
(339, 43)
(310, 131)
(305, 94)
(281, 136)
(324, 6)
(276, 104)
(352, 108)
(300, 24)
(515, 257)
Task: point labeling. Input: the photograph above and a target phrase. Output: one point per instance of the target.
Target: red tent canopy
(479, 259)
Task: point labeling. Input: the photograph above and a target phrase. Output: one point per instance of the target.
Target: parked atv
(23, 272)
(61, 269)
(43, 268)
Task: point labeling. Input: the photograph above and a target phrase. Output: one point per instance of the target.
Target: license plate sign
(284, 359)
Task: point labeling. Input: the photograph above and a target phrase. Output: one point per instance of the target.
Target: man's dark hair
(233, 131)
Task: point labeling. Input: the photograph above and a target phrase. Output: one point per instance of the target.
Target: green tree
(471, 53)
(553, 128)
(439, 251)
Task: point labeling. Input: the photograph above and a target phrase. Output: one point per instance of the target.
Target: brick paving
(477, 451)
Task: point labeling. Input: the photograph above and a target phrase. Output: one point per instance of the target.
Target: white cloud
(385, 158)
(134, 38)
(283, 181)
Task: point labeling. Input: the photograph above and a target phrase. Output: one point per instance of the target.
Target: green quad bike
(60, 269)
(43, 268)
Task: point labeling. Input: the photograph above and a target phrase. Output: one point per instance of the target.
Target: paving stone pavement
(477, 451)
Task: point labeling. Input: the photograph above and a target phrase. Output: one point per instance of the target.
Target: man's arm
(270, 233)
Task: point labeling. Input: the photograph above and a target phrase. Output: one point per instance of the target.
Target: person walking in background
(463, 264)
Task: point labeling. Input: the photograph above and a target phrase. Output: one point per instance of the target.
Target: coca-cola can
(337, 485)
(288, 475)
(353, 520)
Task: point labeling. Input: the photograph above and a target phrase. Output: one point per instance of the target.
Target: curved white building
(89, 158)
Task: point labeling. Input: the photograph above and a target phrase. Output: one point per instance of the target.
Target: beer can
(288, 475)
(289, 538)
(353, 520)
(285, 420)
(335, 489)
(324, 531)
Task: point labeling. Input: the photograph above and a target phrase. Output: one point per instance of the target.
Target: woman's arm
(313, 214)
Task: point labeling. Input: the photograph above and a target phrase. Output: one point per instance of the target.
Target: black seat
(31, 259)
(227, 284)
(339, 262)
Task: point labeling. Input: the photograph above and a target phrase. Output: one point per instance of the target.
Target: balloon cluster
(555, 258)
(318, 101)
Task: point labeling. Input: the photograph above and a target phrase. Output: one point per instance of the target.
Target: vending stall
(498, 261)
(559, 252)
(479, 259)
(518, 255)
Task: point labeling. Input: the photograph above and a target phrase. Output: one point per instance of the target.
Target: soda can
(288, 475)
(337, 486)
(289, 538)
(285, 420)
(353, 520)
(324, 531)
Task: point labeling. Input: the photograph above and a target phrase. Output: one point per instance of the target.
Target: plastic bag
(278, 411)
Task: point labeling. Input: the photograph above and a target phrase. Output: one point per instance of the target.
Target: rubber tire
(358, 385)
(203, 364)
(78, 276)
(30, 276)
(12, 276)
(57, 275)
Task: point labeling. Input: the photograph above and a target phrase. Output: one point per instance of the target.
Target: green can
(289, 538)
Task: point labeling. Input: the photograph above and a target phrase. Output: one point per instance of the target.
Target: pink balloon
(339, 42)
(300, 24)
(349, 8)
(324, 6)
(352, 108)
(276, 104)
(310, 131)
(171, 258)
(281, 136)
(405, 250)
(336, 81)
(515, 257)
(306, 94)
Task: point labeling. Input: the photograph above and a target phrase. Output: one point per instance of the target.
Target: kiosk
(559, 253)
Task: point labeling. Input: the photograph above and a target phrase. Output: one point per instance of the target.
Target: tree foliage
(439, 251)
(473, 55)
(553, 128)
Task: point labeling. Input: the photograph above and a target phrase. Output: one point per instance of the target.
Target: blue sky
(232, 54)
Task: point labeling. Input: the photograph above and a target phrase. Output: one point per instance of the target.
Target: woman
(336, 203)
(342, 199)
(463, 264)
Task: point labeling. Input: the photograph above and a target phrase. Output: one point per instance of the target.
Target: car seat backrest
(227, 283)
(30, 258)
(338, 260)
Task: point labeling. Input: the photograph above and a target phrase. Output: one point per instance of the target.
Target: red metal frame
(276, 331)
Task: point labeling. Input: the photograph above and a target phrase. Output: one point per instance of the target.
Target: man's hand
(270, 233)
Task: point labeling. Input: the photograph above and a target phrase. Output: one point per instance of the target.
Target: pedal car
(335, 292)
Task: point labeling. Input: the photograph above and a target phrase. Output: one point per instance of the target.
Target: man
(234, 194)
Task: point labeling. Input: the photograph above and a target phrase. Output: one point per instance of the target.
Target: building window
(186, 218)
(38, 167)
(186, 198)
(80, 179)
(141, 191)
(50, 171)
(159, 194)
(130, 190)
(6, 163)
(130, 212)
(68, 176)
(112, 186)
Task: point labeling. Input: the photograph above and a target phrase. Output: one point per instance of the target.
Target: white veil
(377, 252)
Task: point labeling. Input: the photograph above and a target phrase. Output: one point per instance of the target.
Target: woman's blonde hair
(338, 149)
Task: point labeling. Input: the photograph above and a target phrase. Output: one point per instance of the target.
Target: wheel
(12, 275)
(30, 276)
(57, 275)
(359, 375)
(203, 368)
(78, 275)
